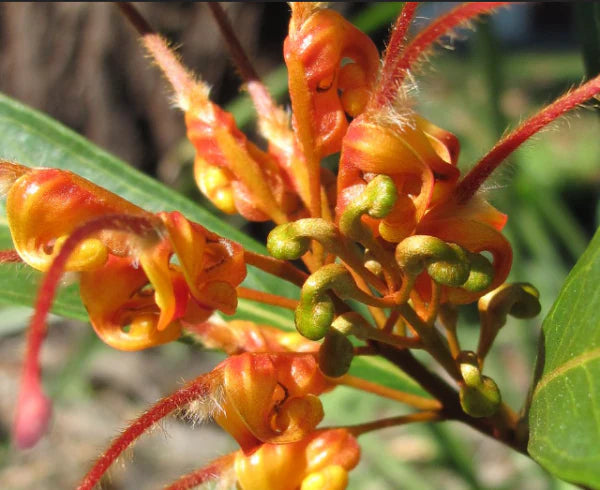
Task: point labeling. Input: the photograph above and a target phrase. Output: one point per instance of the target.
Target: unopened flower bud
(335, 354)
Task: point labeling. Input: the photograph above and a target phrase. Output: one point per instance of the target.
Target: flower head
(396, 230)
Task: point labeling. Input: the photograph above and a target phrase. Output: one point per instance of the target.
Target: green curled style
(527, 304)
(291, 241)
(481, 273)
(377, 200)
(446, 263)
(335, 354)
(520, 300)
(479, 395)
(316, 311)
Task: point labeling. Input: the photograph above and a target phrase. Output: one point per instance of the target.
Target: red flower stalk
(257, 398)
(33, 407)
(501, 150)
(211, 471)
(197, 389)
(398, 66)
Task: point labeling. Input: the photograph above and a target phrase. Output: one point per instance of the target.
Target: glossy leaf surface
(565, 412)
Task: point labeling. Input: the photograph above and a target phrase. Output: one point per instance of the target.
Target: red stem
(482, 170)
(199, 388)
(423, 41)
(33, 407)
(388, 82)
(198, 477)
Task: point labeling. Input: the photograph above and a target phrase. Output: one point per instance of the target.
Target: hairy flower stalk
(396, 230)
(34, 408)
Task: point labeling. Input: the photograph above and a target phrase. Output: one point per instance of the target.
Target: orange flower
(60, 221)
(320, 461)
(401, 234)
(270, 397)
(418, 156)
(45, 206)
(233, 172)
(318, 40)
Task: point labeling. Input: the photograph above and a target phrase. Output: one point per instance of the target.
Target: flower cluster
(396, 229)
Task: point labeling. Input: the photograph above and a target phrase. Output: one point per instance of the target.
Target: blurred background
(82, 64)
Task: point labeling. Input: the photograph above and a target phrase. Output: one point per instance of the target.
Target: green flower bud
(479, 396)
(335, 355)
(482, 401)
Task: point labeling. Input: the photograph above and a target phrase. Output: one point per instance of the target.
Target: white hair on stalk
(202, 409)
(398, 113)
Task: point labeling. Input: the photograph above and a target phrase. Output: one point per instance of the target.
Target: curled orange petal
(271, 397)
(298, 463)
(45, 205)
(318, 41)
(123, 311)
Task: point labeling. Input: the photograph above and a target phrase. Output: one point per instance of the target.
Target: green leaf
(564, 417)
(31, 138)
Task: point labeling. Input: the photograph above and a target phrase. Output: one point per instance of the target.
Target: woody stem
(495, 427)
(431, 340)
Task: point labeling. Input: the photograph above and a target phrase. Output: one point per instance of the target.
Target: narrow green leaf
(565, 410)
(19, 284)
(31, 138)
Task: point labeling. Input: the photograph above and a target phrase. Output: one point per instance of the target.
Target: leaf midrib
(577, 361)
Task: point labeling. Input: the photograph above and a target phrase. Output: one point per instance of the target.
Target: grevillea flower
(127, 279)
(135, 297)
(397, 230)
(320, 461)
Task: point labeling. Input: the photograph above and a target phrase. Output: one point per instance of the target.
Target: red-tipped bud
(34, 410)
